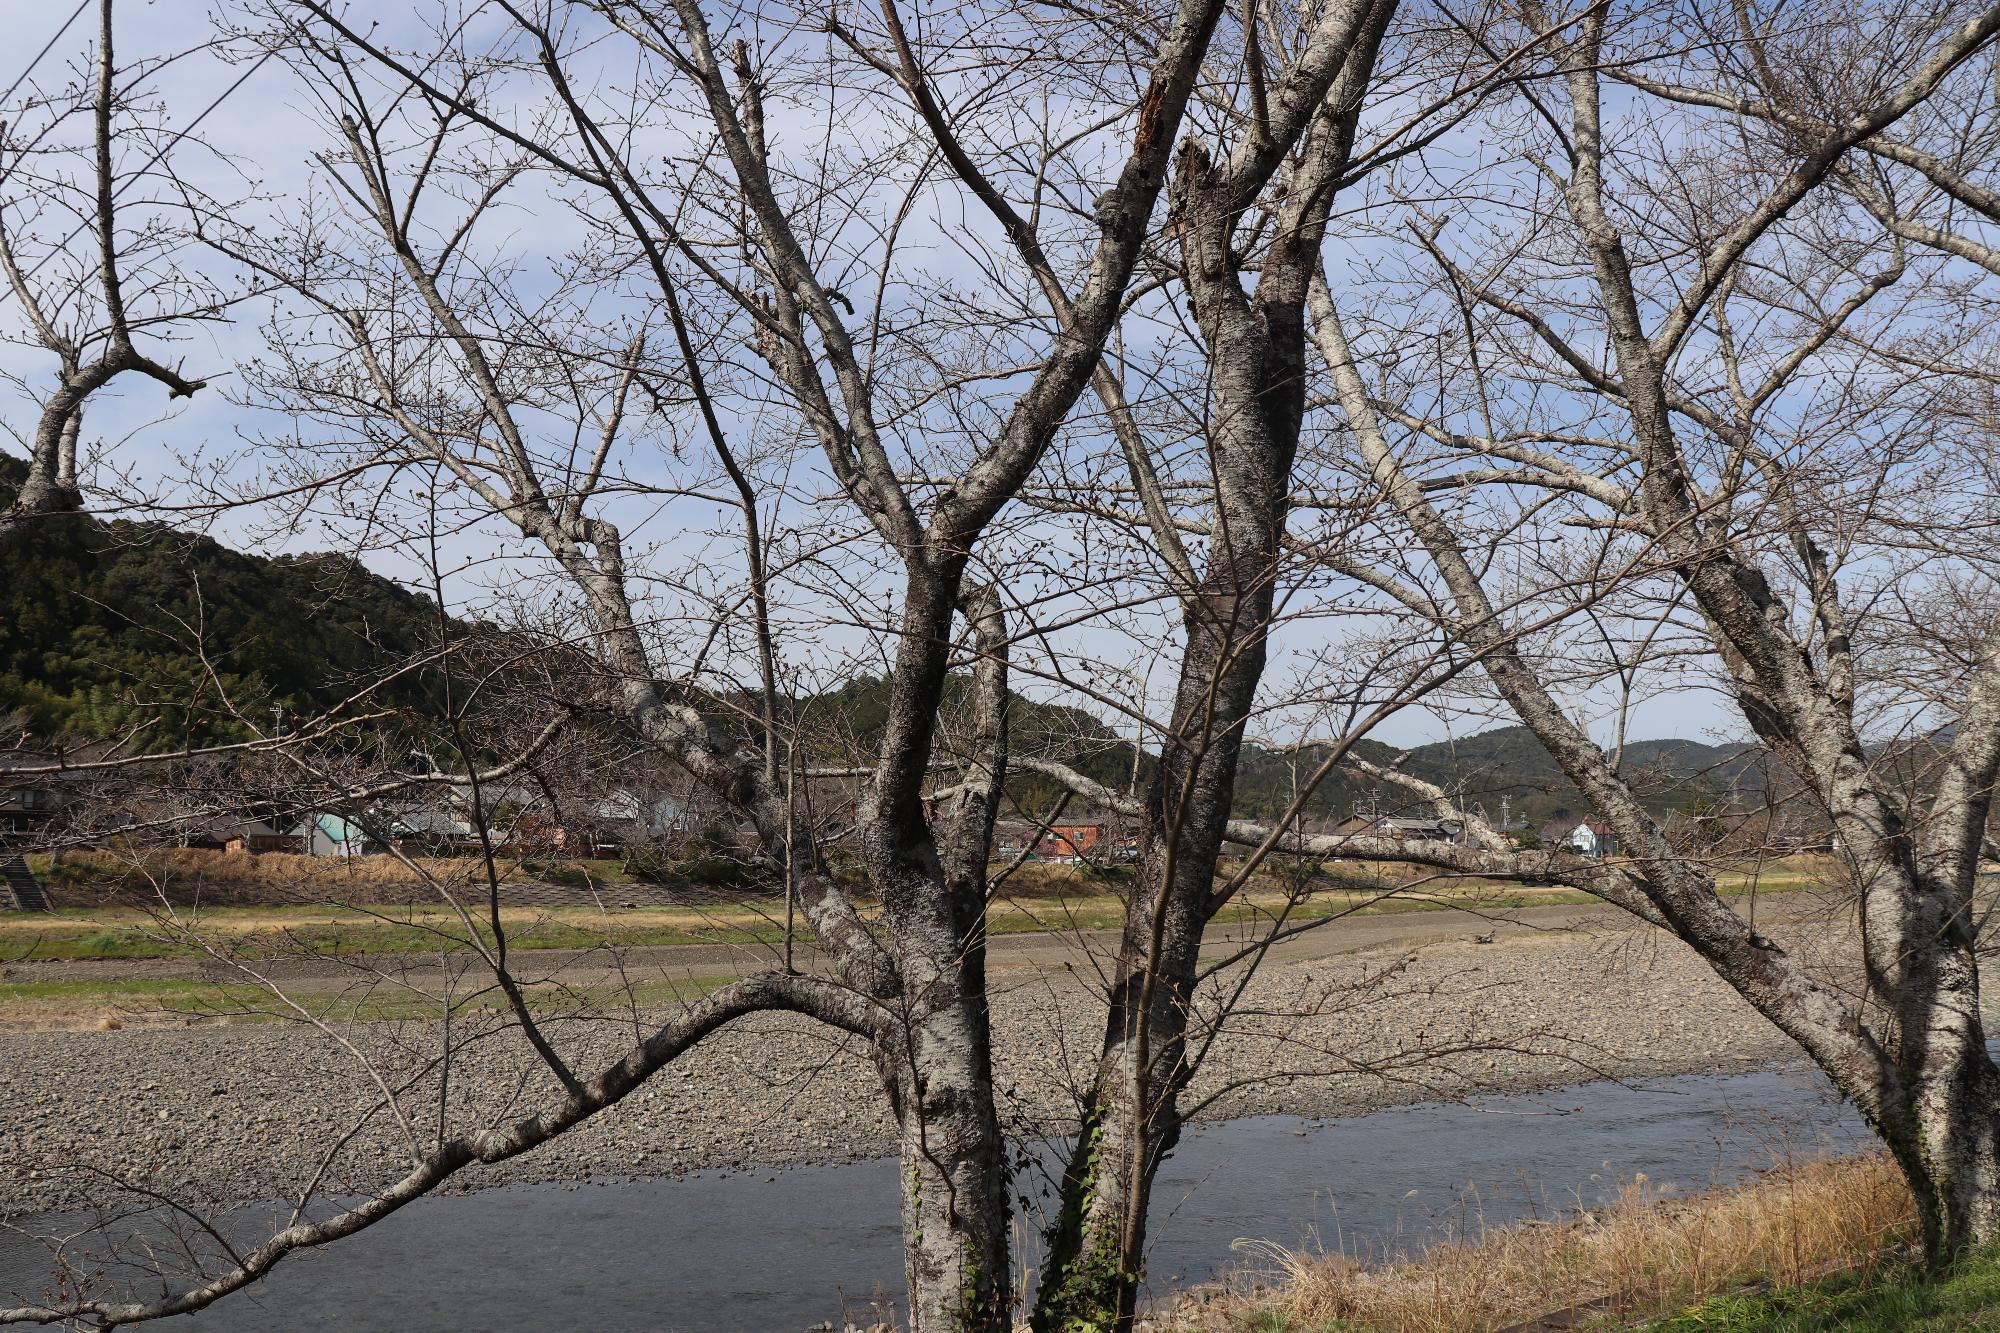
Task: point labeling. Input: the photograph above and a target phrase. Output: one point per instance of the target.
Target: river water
(757, 1251)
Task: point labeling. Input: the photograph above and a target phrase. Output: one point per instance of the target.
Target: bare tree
(424, 351)
(749, 285)
(1674, 466)
(1253, 334)
(101, 297)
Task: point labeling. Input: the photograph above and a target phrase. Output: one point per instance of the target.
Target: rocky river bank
(223, 1112)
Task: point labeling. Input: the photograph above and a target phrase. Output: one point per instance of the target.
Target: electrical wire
(46, 48)
(164, 149)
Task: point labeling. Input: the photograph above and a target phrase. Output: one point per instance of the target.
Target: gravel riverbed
(217, 1113)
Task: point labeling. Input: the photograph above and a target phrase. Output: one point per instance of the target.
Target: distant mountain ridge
(1500, 772)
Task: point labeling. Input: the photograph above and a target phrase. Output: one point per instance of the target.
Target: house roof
(12, 759)
(1419, 824)
(224, 827)
(493, 794)
(432, 819)
(333, 826)
(1434, 826)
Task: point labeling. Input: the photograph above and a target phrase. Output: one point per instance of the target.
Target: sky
(258, 145)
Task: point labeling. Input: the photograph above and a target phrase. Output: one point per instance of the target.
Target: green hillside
(1508, 762)
(1502, 766)
(845, 726)
(107, 626)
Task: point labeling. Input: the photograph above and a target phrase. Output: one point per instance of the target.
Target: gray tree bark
(1923, 1078)
(1256, 351)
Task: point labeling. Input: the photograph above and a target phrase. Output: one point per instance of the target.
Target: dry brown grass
(223, 879)
(1646, 1254)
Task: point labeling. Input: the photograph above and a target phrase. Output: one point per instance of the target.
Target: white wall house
(1590, 838)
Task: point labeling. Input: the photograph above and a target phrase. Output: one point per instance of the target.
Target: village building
(328, 834)
(1402, 828)
(239, 834)
(1069, 841)
(1591, 837)
(29, 804)
(1092, 837)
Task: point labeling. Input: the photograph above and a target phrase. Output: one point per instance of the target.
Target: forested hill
(105, 625)
(846, 724)
(1503, 764)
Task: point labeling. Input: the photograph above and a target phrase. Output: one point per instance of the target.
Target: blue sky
(259, 145)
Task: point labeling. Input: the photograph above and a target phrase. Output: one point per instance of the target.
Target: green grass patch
(1892, 1300)
(149, 993)
(288, 931)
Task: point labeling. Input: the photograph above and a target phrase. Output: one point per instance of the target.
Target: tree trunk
(1131, 1118)
(1130, 1123)
(1257, 361)
(933, 1049)
(1958, 1112)
(1951, 1152)
(50, 487)
(936, 1059)
(955, 1203)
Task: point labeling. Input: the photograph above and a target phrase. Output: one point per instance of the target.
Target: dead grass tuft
(1648, 1253)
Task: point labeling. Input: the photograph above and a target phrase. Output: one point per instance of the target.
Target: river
(757, 1251)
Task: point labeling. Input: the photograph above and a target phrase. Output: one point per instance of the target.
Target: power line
(166, 148)
(48, 47)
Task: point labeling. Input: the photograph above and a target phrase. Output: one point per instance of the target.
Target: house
(1424, 829)
(29, 803)
(240, 834)
(1402, 828)
(441, 828)
(1591, 837)
(622, 818)
(1011, 837)
(327, 834)
(25, 808)
(1071, 841)
(424, 830)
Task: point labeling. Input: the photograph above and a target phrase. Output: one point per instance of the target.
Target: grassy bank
(370, 906)
(188, 875)
(333, 929)
(1819, 1242)
(1896, 1299)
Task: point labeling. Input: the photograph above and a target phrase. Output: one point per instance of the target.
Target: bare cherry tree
(747, 317)
(1253, 335)
(424, 347)
(1670, 393)
(98, 281)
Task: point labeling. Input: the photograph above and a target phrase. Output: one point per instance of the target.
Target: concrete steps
(18, 890)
